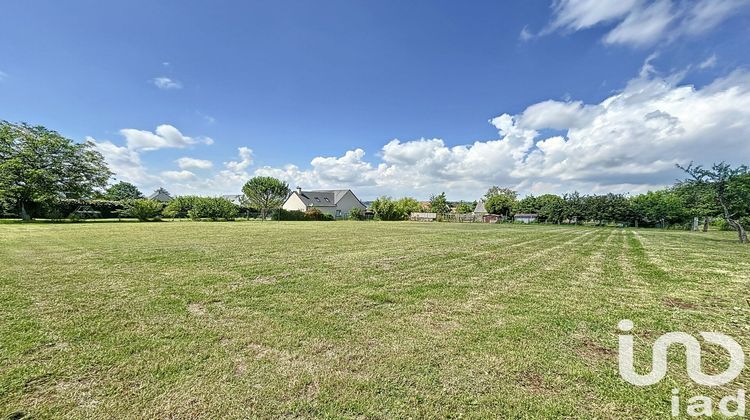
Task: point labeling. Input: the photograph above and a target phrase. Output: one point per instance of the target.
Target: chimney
(299, 190)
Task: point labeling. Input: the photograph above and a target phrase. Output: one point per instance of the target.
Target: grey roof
(160, 195)
(323, 198)
(480, 207)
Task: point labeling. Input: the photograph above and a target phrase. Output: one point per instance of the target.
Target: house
(479, 210)
(337, 203)
(161, 195)
(525, 217)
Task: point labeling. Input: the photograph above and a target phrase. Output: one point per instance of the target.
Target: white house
(337, 203)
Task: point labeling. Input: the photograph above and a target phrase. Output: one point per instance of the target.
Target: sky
(386, 97)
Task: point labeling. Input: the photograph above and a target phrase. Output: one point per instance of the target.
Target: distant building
(479, 210)
(491, 218)
(161, 195)
(525, 217)
(235, 199)
(423, 217)
(337, 203)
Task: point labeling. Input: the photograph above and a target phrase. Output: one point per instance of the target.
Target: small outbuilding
(525, 217)
(480, 210)
(491, 218)
(423, 217)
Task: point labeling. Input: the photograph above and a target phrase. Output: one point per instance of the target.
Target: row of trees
(39, 167)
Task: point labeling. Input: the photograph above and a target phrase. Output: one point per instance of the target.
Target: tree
(495, 190)
(499, 204)
(730, 188)
(38, 165)
(123, 191)
(265, 193)
(406, 206)
(574, 207)
(551, 208)
(385, 209)
(439, 204)
(527, 204)
(356, 214)
(143, 209)
(463, 207)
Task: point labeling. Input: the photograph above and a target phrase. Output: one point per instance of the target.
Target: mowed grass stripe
(349, 319)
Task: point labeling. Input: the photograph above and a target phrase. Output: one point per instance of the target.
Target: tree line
(41, 168)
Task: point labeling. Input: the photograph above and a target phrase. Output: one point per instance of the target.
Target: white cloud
(641, 22)
(192, 163)
(165, 136)
(525, 34)
(629, 142)
(246, 159)
(125, 161)
(178, 175)
(165, 83)
(708, 63)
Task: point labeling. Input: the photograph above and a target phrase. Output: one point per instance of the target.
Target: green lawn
(354, 319)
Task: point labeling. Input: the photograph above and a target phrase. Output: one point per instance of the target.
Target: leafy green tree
(180, 206)
(527, 204)
(495, 190)
(213, 208)
(385, 209)
(439, 204)
(38, 165)
(406, 206)
(463, 207)
(551, 208)
(266, 193)
(123, 191)
(699, 201)
(356, 214)
(499, 204)
(143, 209)
(730, 188)
(574, 207)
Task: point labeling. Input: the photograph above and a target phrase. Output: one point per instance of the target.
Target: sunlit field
(354, 319)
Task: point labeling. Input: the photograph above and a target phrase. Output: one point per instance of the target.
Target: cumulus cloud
(192, 163)
(165, 136)
(628, 142)
(165, 83)
(125, 161)
(246, 159)
(178, 175)
(641, 22)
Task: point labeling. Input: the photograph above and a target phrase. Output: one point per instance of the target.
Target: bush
(62, 208)
(143, 209)
(312, 214)
(180, 206)
(356, 214)
(213, 208)
(289, 215)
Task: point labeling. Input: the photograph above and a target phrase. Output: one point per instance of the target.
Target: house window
(338, 213)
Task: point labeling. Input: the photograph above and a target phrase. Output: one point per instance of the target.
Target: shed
(525, 217)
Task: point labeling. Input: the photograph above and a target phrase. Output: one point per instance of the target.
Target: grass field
(374, 320)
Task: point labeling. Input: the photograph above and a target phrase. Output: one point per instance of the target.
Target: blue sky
(316, 92)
